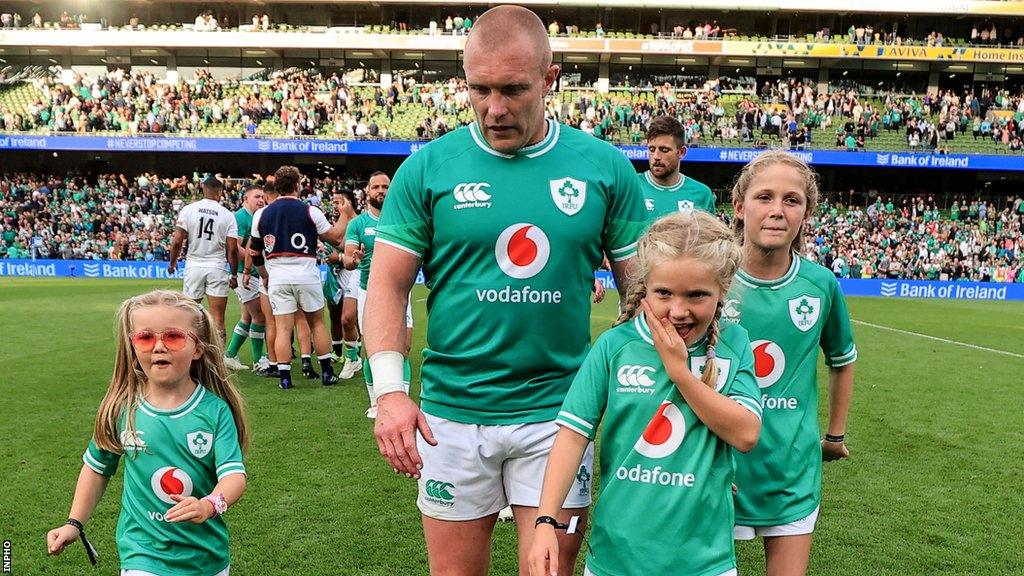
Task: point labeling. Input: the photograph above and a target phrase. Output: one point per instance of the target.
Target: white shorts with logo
(361, 303)
(288, 298)
(248, 292)
(223, 572)
(476, 470)
(201, 282)
(802, 526)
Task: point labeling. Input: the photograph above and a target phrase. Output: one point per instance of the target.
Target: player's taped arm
(391, 278)
(387, 368)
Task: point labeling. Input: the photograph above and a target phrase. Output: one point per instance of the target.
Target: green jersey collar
(748, 280)
(531, 151)
(650, 180)
(186, 407)
(640, 323)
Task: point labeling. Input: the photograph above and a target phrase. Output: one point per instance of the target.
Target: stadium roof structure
(375, 43)
(951, 7)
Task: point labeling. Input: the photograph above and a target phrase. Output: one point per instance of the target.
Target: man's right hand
(172, 267)
(398, 419)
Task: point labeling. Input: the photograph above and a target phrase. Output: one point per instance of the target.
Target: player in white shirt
(212, 247)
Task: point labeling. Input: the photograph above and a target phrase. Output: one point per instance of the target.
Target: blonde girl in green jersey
(172, 411)
(673, 388)
(790, 307)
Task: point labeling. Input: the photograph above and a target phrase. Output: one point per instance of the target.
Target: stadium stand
(117, 217)
(307, 102)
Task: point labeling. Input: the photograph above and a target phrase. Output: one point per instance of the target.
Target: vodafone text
(655, 475)
(770, 403)
(524, 295)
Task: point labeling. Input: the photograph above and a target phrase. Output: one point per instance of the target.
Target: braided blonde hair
(700, 236)
(756, 166)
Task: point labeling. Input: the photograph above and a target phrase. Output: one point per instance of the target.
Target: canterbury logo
(635, 376)
(440, 490)
(471, 192)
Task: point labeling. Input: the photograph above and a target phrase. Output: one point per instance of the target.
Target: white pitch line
(964, 344)
(421, 299)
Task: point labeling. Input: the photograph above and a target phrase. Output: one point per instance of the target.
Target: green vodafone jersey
(509, 244)
(666, 479)
(243, 218)
(362, 231)
(685, 196)
(788, 319)
(183, 451)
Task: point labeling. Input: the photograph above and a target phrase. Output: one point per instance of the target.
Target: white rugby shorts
(476, 470)
(200, 282)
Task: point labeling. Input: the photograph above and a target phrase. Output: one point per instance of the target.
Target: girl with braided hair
(675, 391)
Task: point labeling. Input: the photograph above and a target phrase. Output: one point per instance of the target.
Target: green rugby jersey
(788, 319)
(362, 231)
(243, 218)
(509, 245)
(666, 479)
(685, 196)
(184, 451)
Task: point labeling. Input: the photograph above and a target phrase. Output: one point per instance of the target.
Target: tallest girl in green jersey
(790, 307)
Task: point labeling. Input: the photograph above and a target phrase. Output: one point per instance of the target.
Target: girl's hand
(543, 557)
(833, 451)
(669, 345)
(59, 538)
(190, 509)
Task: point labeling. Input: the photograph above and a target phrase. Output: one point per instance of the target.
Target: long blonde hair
(756, 166)
(700, 236)
(128, 381)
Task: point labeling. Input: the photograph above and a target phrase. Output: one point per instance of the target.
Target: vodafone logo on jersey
(664, 433)
(171, 481)
(522, 250)
(769, 362)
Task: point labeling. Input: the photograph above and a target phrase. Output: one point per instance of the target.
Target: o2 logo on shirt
(171, 481)
(522, 250)
(769, 362)
(664, 433)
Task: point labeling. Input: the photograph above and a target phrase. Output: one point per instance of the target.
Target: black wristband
(838, 438)
(549, 520)
(90, 551)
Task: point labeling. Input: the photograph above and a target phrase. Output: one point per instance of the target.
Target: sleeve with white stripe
(227, 451)
(588, 395)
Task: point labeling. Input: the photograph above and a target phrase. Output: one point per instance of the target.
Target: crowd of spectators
(300, 102)
(111, 217)
(117, 217)
(977, 240)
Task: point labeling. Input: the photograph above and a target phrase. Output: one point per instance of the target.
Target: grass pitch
(934, 485)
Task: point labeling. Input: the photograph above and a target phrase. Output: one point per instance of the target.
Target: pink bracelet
(220, 505)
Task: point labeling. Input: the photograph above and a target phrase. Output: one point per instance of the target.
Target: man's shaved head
(507, 26)
(509, 72)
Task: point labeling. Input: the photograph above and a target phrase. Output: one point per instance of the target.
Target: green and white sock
(257, 340)
(237, 339)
